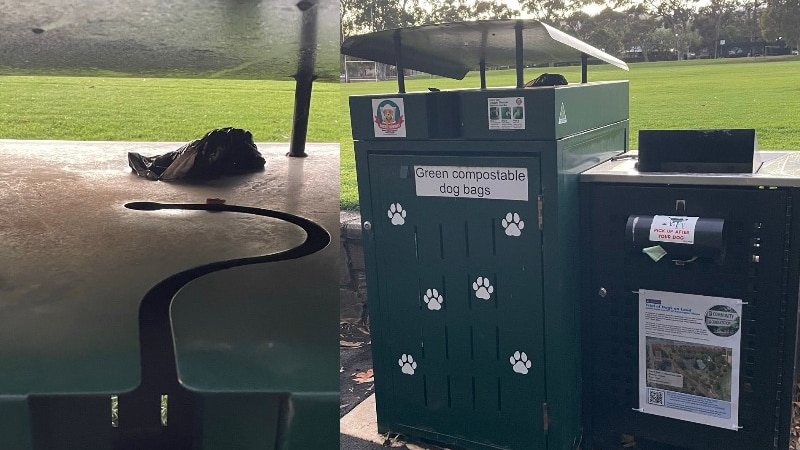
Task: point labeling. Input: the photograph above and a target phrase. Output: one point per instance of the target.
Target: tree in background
(554, 11)
(605, 30)
(577, 24)
(364, 16)
(781, 20)
(712, 20)
(753, 8)
(640, 29)
(457, 10)
(623, 27)
(677, 16)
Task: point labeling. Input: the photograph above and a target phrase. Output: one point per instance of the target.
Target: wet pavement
(78, 259)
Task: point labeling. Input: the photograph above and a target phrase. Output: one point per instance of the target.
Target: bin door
(459, 286)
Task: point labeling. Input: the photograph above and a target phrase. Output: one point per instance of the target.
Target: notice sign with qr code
(689, 352)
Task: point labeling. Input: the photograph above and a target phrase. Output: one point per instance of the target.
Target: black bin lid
(699, 151)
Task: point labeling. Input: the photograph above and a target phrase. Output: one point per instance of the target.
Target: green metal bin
(470, 224)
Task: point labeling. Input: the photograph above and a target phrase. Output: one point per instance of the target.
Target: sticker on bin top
(388, 117)
(674, 229)
(487, 183)
(507, 113)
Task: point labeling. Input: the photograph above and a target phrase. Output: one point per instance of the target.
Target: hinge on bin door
(539, 206)
(545, 417)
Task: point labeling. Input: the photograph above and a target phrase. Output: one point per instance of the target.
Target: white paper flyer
(689, 351)
(507, 113)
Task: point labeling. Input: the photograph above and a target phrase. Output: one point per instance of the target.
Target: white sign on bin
(674, 229)
(489, 183)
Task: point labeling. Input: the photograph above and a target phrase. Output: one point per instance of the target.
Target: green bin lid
(453, 49)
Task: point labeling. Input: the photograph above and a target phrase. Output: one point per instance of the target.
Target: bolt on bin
(470, 230)
(690, 299)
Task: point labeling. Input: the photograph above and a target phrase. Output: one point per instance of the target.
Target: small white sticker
(513, 224)
(397, 214)
(562, 116)
(490, 183)
(674, 229)
(407, 364)
(483, 288)
(433, 299)
(520, 362)
(388, 117)
(507, 113)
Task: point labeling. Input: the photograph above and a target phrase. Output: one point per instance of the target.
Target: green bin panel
(550, 113)
(432, 115)
(769, 312)
(458, 346)
(15, 423)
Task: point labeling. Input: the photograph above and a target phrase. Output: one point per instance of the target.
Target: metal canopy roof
(263, 39)
(453, 49)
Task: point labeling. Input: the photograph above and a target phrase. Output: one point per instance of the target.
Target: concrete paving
(359, 424)
(359, 431)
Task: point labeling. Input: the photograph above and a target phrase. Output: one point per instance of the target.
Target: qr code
(655, 397)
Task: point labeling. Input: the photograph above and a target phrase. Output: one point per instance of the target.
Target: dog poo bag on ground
(223, 151)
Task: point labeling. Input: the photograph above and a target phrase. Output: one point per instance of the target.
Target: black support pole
(519, 60)
(398, 51)
(483, 74)
(584, 67)
(484, 42)
(304, 78)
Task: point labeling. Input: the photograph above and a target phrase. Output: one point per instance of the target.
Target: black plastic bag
(223, 151)
(547, 79)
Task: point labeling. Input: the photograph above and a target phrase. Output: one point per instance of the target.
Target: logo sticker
(388, 117)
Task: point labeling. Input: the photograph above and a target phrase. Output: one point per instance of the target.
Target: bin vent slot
(497, 342)
(471, 344)
(422, 340)
(494, 237)
(499, 395)
(416, 243)
(425, 389)
(473, 393)
(446, 344)
(449, 393)
(466, 239)
(441, 241)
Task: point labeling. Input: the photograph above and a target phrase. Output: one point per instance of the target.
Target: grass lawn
(762, 93)
(114, 107)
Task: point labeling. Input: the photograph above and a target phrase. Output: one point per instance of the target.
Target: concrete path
(359, 424)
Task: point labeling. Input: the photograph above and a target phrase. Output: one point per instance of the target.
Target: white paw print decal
(433, 299)
(397, 214)
(407, 364)
(520, 362)
(483, 288)
(513, 224)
